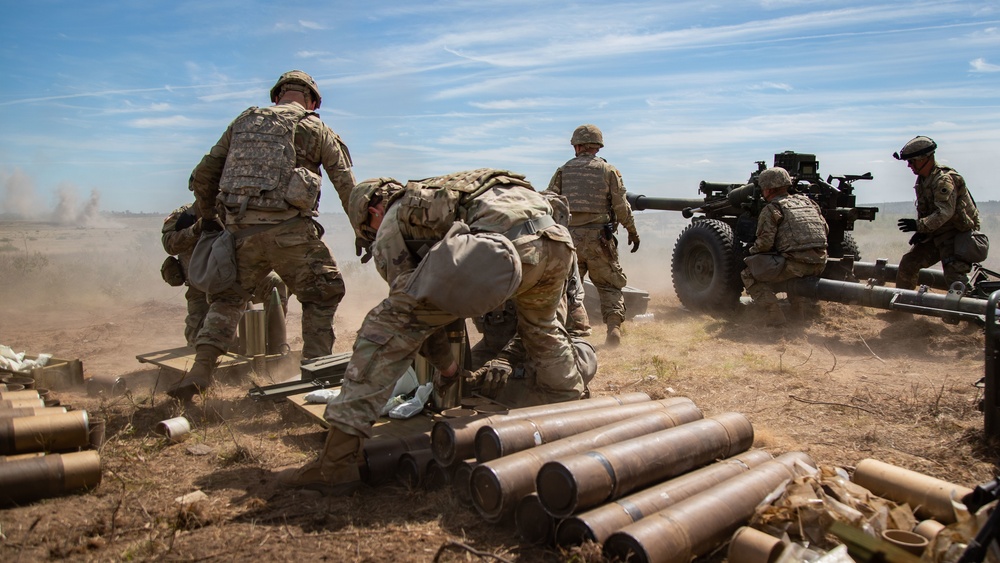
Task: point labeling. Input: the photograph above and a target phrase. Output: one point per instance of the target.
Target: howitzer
(708, 255)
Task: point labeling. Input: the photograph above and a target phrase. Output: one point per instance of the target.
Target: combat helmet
(775, 177)
(296, 77)
(587, 135)
(361, 198)
(915, 148)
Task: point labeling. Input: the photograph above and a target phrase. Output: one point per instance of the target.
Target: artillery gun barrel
(642, 203)
(887, 273)
(952, 305)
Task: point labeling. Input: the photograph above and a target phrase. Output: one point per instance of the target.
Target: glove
(442, 384)
(917, 238)
(362, 245)
(211, 225)
(633, 239)
(907, 225)
(492, 377)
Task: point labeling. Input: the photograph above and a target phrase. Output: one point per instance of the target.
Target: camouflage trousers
(940, 248)
(396, 329)
(522, 389)
(294, 251)
(764, 292)
(598, 258)
(197, 304)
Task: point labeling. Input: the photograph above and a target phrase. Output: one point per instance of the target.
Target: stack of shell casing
(42, 449)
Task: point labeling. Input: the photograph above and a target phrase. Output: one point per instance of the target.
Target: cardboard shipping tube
(600, 522)
(454, 439)
(929, 497)
(50, 433)
(700, 523)
(534, 524)
(21, 403)
(591, 478)
(20, 395)
(46, 476)
(381, 455)
(30, 411)
(498, 485)
(437, 476)
(753, 546)
(505, 438)
(462, 481)
(412, 467)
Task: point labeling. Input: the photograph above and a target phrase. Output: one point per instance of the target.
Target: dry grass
(848, 387)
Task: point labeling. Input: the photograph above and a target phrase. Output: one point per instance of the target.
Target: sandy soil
(847, 387)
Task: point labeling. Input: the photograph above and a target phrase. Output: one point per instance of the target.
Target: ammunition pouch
(172, 271)
(972, 246)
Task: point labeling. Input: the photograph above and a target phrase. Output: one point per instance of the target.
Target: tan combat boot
(199, 377)
(336, 472)
(774, 316)
(614, 337)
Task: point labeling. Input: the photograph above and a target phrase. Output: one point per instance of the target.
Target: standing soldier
(790, 243)
(597, 205)
(263, 180)
(946, 214)
(180, 232)
(450, 247)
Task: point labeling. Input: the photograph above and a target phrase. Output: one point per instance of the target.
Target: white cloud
(174, 121)
(980, 65)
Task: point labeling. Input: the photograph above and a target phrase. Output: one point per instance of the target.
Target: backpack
(260, 166)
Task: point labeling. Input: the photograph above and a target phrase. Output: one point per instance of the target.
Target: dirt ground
(848, 387)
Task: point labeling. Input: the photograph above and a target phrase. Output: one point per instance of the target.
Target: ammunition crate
(56, 374)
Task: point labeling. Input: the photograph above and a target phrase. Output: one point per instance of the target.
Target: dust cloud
(21, 201)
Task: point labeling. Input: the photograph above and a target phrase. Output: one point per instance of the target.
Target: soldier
(181, 230)
(791, 243)
(263, 180)
(597, 203)
(946, 213)
(450, 247)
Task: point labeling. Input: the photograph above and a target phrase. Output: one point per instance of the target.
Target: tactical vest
(966, 217)
(261, 159)
(430, 206)
(803, 227)
(584, 186)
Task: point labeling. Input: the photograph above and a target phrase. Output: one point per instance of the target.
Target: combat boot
(773, 315)
(614, 337)
(335, 472)
(199, 377)
(804, 310)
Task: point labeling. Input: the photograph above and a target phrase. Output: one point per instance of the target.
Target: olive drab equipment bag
(972, 246)
(260, 171)
(766, 266)
(212, 268)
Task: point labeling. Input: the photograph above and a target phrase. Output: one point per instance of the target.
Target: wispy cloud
(980, 65)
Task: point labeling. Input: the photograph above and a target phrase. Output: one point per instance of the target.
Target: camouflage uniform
(293, 247)
(793, 226)
(595, 190)
(180, 242)
(399, 327)
(944, 209)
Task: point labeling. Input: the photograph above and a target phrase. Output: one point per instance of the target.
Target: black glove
(492, 377)
(917, 238)
(362, 245)
(633, 239)
(211, 225)
(907, 225)
(442, 384)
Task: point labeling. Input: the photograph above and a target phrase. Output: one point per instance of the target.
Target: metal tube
(890, 298)
(700, 523)
(599, 523)
(928, 496)
(534, 524)
(44, 433)
(499, 484)
(412, 467)
(27, 480)
(277, 338)
(887, 273)
(256, 332)
(505, 438)
(381, 455)
(461, 483)
(454, 439)
(590, 478)
(453, 396)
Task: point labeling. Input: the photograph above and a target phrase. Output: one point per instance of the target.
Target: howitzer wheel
(705, 268)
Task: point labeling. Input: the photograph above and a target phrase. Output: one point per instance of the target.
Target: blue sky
(113, 103)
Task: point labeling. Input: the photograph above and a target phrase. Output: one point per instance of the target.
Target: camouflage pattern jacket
(792, 225)
(944, 203)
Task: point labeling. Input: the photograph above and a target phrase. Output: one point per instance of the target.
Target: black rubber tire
(851, 247)
(705, 269)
